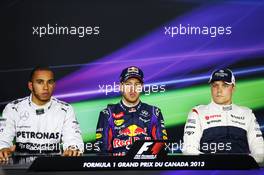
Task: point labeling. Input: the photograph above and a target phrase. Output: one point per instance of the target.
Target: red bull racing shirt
(120, 126)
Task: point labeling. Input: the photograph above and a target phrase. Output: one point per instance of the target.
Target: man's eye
(51, 81)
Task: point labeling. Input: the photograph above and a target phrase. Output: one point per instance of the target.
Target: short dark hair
(39, 68)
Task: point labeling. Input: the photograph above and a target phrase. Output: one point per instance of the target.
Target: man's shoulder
(198, 109)
(146, 105)
(201, 107)
(151, 108)
(60, 102)
(112, 105)
(241, 108)
(108, 108)
(19, 101)
(16, 105)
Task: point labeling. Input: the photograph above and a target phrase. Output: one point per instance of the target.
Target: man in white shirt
(222, 126)
(40, 122)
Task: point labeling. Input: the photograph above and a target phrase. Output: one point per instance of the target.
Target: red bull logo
(133, 130)
(122, 143)
(139, 131)
(125, 132)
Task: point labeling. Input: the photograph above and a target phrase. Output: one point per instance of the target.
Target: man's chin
(132, 100)
(46, 99)
(220, 102)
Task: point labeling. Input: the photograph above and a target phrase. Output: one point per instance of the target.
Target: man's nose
(219, 90)
(132, 88)
(45, 86)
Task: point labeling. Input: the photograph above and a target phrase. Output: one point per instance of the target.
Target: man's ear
(30, 86)
(234, 88)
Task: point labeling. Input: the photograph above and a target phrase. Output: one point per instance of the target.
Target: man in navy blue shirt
(121, 124)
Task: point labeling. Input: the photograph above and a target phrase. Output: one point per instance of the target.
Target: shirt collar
(39, 109)
(129, 109)
(222, 107)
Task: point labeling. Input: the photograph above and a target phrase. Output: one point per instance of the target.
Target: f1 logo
(149, 150)
(144, 148)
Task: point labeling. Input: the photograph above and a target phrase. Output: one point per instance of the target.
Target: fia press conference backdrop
(176, 43)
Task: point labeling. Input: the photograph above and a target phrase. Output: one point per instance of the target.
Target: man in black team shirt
(121, 124)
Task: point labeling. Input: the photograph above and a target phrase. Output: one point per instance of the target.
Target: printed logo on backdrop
(149, 150)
